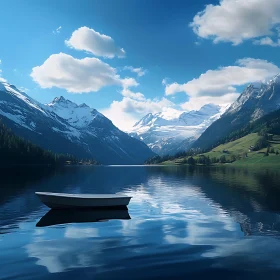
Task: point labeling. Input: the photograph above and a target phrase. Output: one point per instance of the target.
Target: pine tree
(191, 161)
(15, 150)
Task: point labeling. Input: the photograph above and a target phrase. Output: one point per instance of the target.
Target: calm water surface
(185, 224)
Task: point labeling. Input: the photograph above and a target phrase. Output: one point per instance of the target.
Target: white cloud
(139, 71)
(1, 78)
(24, 89)
(218, 86)
(77, 75)
(221, 81)
(89, 40)
(195, 103)
(165, 81)
(57, 30)
(125, 113)
(237, 20)
(133, 95)
(267, 41)
(74, 232)
(129, 82)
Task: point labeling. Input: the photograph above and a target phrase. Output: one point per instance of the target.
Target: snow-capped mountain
(173, 131)
(257, 100)
(79, 116)
(65, 127)
(262, 98)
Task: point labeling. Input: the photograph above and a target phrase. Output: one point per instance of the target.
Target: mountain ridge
(172, 131)
(80, 131)
(253, 103)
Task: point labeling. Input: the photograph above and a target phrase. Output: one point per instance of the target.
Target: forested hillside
(268, 124)
(15, 150)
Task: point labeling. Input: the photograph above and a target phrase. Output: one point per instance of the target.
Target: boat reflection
(66, 216)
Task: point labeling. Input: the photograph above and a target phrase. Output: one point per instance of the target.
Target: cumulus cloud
(267, 41)
(221, 81)
(57, 30)
(133, 95)
(129, 82)
(218, 86)
(195, 103)
(132, 107)
(237, 20)
(77, 75)
(139, 71)
(86, 39)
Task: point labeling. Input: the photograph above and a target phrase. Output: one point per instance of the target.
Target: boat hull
(62, 201)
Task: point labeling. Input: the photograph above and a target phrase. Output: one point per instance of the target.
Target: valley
(239, 153)
(64, 127)
(247, 134)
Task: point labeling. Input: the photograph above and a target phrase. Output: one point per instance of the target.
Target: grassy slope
(236, 147)
(241, 146)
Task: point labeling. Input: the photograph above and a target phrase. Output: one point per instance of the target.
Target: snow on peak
(84, 105)
(16, 93)
(145, 120)
(210, 109)
(257, 85)
(77, 115)
(194, 118)
(173, 117)
(255, 92)
(61, 101)
(169, 114)
(163, 131)
(275, 79)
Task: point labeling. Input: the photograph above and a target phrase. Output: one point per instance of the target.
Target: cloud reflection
(60, 255)
(169, 213)
(77, 232)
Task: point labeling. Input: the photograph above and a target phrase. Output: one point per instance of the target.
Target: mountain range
(256, 101)
(172, 131)
(65, 127)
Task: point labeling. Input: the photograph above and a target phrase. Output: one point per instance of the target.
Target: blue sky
(128, 58)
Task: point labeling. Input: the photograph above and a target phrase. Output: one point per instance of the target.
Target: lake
(219, 223)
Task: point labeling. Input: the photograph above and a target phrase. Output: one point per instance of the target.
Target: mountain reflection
(66, 216)
(182, 216)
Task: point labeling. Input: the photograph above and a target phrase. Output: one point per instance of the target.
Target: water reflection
(66, 216)
(198, 222)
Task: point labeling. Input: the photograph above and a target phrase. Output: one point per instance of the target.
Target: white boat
(67, 200)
